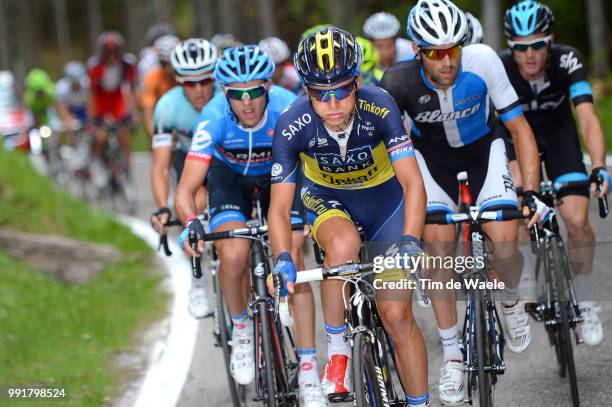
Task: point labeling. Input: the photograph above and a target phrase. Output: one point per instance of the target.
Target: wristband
(191, 217)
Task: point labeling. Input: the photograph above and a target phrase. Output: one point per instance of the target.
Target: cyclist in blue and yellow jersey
(352, 145)
(547, 76)
(174, 116)
(232, 146)
(447, 92)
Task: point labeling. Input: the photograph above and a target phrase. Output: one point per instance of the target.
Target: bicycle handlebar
(479, 216)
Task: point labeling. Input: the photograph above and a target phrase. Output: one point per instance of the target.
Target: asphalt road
(531, 377)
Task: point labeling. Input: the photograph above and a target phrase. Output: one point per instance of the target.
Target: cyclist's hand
(600, 178)
(410, 247)
(159, 220)
(193, 224)
(287, 272)
(537, 208)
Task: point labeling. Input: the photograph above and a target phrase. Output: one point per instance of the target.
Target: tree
(4, 47)
(95, 22)
(62, 27)
(598, 37)
(267, 18)
(203, 15)
(491, 21)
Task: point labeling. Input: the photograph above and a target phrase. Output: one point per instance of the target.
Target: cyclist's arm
(147, 101)
(279, 217)
(193, 176)
(409, 176)
(526, 151)
(162, 153)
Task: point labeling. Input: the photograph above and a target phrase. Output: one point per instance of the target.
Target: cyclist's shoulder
(174, 98)
(62, 87)
(401, 73)
(565, 58)
(404, 50)
(478, 57)
(129, 59)
(296, 120)
(280, 98)
(373, 94)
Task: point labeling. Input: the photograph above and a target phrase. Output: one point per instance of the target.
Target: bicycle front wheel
(565, 352)
(483, 354)
(368, 380)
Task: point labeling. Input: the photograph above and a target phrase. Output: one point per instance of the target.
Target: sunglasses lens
(323, 95)
(535, 45)
(539, 45)
(254, 93)
(203, 82)
(438, 54)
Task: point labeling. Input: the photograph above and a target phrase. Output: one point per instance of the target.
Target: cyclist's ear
(358, 80)
(268, 84)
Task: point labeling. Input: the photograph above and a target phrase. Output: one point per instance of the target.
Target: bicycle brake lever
(163, 242)
(277, 289)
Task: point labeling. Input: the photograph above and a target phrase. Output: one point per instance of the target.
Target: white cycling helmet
(7, 80)
(474, 34)
(75, 71)
(381, 25)
(194, 58)
(164, 46)
(276, 48)
(436, 22)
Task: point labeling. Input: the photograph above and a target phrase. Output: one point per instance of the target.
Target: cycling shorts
(230, 196)
(487, 168)
(124, 121)
(382, 219)
(562, 157)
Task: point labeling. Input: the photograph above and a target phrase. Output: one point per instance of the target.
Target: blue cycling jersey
(461, 114)
(247, 151)
(174, 113)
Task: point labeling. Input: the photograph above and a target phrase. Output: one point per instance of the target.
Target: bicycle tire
(269, 386)
(237, 391)
(485, 398)
(367, 386)
(565, 349)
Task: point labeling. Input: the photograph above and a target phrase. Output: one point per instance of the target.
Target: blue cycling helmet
(244, 64)
(528, 17)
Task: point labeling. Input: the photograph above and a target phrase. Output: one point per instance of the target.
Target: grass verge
(54, 334)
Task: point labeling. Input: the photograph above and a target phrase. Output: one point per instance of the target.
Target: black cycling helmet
(327, 56)
(526, 18)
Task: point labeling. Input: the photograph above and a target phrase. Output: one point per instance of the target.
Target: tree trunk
(136, 25)
(491, 21)
(203, 13)
(62, 26)
(4, 46)
(598, 36)
(228, 16)
(267, 18)
(340, 13)
(27, 34)
(164, 10)
(95, 22)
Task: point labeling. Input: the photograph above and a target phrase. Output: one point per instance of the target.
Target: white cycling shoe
(518, 333)
(451, 388)
(311, 395)
(591, 328)
(242, 360)
(199, 306)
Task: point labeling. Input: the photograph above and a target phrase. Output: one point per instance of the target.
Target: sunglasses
(323, 95)
(240, 93)
(439, 54)
(193, 84)
(523, 46)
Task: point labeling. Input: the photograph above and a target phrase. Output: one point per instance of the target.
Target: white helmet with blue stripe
(194, 58)
(244, 64)
(436, 22)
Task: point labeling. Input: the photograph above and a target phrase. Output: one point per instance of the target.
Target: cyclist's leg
(123, 136)
(99, 138)
(336, 233)
(574, 210)
(493, 186)
(383, 223)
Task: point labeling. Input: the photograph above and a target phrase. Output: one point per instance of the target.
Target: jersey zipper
(246, 168)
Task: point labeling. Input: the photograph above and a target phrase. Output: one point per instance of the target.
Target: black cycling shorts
(230, 196)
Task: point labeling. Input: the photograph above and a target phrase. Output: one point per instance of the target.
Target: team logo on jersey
(372, 108)
(356, 159)
(201, 138)
(270, 132)
(277, 169)
(424, 99)
(321, 141)
(570, 62)
(312, 142)
(297, 125)
(437, 116)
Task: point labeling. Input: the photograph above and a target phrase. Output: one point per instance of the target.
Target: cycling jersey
(403, 50)
(40, 102)
(155, 84)
(247, 151)
(462, 114)
(76, 100)
(107, 83)
(358, 158)
(347, 172)
(547, 109)
(456, 130)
